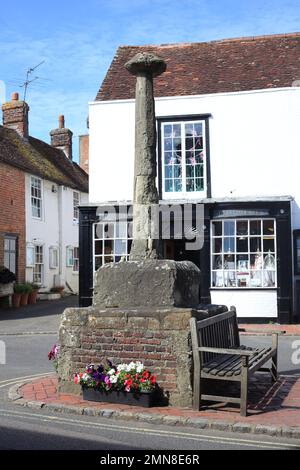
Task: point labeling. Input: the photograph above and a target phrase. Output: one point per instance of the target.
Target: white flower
(113, 379)
(139, 367)
(121, 367)
(85, 377)
(111, 372)
(130, 366)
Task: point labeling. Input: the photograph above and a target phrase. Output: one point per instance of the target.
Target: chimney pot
(15, 96)
(61, 121)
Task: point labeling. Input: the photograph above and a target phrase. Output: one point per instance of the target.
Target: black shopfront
(267, 227)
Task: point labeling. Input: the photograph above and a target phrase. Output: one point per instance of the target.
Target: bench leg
(244, 386)
(197, 391)
(274, 366)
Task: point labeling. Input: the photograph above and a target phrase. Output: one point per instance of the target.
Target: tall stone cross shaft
(144, 66)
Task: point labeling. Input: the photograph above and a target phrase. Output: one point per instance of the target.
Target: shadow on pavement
(41, 308)
(12, 438)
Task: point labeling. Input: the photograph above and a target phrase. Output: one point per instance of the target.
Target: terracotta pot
(32, 297)
(16, 298)
(24, 299)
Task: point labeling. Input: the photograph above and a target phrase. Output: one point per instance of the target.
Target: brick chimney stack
(61, 137)
(15, 115)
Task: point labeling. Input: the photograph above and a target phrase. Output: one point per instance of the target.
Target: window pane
(199, 184)
(217, 228)
(98, 231)
(228, 245)
(167, 130)
(228, 227)
(190, 184)
(217, 262)
(98, 262)
(168, 185)
(242, 263)
(229, 261)
(6, 259)
(98, 247)
(6, 244)
(120, 247)
(217, 245)
(255, 279)
(268, 227)
(255, 227)
(255, 244)
(269, 244)
(230, 278)
(242, 227)
(218, 279)
(177, 185)
(242, 244)
(12, 244)
(121, 230)
(108, 246)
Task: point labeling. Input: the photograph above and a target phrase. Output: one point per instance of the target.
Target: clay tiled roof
(38, 158)
(211, 67)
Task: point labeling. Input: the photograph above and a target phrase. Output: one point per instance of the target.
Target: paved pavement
(42, 317)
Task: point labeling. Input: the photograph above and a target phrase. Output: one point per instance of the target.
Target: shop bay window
(243, 253)
(112, 242)
(183, 157)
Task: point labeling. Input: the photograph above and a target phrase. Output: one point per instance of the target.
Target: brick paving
(290, 330)
(272, 407)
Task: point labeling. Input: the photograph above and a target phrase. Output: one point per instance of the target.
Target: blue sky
(77, 40)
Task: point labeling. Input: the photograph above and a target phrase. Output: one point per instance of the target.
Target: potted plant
(26, 289)
(18, 291)
(57, 289)
(129, 384)
(33, 294)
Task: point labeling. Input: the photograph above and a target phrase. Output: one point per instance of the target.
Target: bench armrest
(237, 352)
(262, 332)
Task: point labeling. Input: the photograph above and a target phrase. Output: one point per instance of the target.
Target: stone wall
(160, 338)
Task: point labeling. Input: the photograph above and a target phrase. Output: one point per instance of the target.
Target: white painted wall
(259, 303)
(55, 228)
(254, 143)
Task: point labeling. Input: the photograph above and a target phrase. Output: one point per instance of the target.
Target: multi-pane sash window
(183, 157)
(76, 202)
(53, 257)
(111, 242)
(10, 253)
(36, 197)
(76, 259)
(38, 269)
(243, 253)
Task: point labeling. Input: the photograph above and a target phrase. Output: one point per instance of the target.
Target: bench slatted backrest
(219, 331)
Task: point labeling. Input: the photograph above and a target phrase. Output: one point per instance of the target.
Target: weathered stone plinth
(160, 338)
(155, 283)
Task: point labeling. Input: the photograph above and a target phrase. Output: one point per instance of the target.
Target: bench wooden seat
(217, 354)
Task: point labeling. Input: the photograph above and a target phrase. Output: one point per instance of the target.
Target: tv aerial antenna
(28, 80)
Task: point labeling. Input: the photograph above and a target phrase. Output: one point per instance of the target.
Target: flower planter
(145, 399)
(24, 299)
(16, 299)
(32, 297)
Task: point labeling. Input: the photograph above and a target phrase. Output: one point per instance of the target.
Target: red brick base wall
(12, 213)
(160, 339)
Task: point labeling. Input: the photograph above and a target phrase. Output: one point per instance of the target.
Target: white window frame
(36, 195)
(110, 237)
(76, 202)
(249, 271)
(38, 262)
(184, 193)
(53, 257)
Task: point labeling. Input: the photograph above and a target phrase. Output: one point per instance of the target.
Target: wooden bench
(217, 354)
